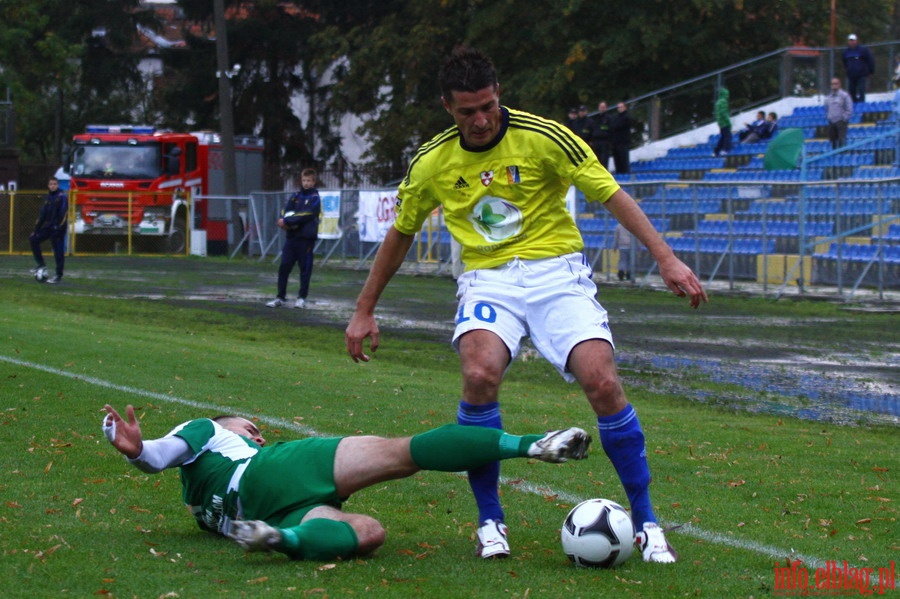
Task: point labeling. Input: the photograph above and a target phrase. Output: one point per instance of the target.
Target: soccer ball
(40, 275)
(598, 533)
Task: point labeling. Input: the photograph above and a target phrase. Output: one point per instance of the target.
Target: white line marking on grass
(209, 407)
(689, 529)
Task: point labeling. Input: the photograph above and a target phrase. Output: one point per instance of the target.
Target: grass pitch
(181, 339)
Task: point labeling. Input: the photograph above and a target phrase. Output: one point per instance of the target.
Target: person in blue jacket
(300, 220)
(859, 64)
(51, 224)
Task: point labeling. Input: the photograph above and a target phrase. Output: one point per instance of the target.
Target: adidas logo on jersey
(460, 184)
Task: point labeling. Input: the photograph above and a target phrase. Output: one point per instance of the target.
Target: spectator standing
(858, 64)
(600, 142)
(51, 224)
(838, 110)
(586, 126)
(620, 138)
(581, 125)
(723, 119)
(624, 242)
(300, 220)
(572, 119)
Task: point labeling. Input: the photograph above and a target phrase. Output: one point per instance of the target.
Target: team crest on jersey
(512, 175)
(496, 219)
(487, 177)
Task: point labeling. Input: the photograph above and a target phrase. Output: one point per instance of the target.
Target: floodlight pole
(226, 116)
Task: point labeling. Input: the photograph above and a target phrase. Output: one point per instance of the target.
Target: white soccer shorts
(552, 301)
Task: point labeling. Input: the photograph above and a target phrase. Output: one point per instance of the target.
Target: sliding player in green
(288, 497)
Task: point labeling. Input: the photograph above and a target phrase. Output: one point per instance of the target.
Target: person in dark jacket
(300, 220)
(600, 142)
(859, 64)
(620, 138)
(580, 123)
(51, 224)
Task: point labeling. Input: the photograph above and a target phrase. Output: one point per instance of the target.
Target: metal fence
(779, 233)
(19, 211)
(773, 234)
(789, 72)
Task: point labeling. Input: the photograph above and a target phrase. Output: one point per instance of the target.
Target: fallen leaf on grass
(325, 567)
(43, 554)
(258, 580)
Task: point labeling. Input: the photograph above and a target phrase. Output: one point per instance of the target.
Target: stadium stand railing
(833, 220)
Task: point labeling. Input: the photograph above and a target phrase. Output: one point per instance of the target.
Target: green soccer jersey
(210, 479)
(508, 199)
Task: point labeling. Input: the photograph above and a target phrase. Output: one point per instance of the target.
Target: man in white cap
(859, 64)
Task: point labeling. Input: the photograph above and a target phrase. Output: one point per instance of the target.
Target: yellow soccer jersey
(508, 199)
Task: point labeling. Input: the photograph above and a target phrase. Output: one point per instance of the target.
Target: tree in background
(69, 63)
(553, 54)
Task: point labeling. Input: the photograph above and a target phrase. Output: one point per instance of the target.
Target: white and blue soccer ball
(598, 533)
(40, 275)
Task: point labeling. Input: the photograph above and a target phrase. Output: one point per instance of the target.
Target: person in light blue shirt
(838, 110)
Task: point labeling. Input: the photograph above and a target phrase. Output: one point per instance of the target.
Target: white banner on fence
(376, 214)
(331, 214)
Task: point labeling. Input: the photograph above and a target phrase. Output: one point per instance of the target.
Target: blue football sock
(484, 479)
(623, 442)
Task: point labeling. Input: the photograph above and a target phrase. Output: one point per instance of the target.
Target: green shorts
(286, 480)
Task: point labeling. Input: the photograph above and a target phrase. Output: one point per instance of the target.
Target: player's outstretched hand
(683, 282)
(124, 436)
(360, 327)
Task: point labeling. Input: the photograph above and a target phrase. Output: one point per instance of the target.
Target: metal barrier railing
(773, 235)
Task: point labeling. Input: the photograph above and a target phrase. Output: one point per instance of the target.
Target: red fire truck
(136, 176)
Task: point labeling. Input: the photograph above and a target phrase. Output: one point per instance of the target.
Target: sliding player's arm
(148, 456)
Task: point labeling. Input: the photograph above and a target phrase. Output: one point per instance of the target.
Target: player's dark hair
(466, 70)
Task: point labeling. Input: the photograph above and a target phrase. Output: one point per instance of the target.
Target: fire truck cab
(135, 176)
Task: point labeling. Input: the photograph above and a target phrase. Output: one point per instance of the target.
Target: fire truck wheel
(175, 243)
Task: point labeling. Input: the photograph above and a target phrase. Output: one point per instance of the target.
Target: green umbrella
(784, 150)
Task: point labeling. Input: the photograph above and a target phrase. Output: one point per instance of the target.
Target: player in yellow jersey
(502, 177)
